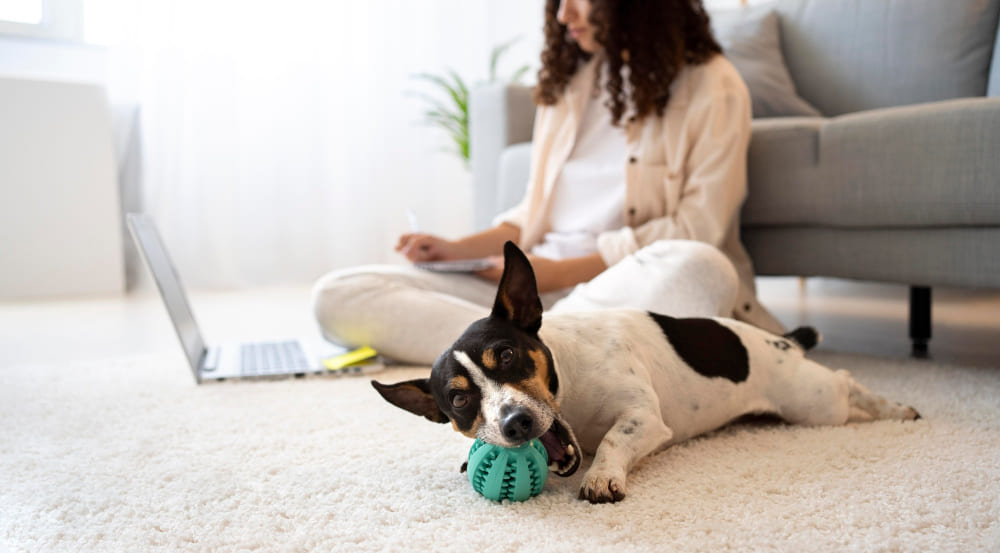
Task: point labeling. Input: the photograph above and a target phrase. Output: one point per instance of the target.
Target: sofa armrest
(936, 163)
(499, 115)
(515, 164)
(933, 164)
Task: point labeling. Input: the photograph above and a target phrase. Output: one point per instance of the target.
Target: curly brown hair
(654, 39)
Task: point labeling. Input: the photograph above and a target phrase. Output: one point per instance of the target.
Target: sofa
(882, 165)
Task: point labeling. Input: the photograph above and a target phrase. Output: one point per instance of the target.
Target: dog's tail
(805, 336)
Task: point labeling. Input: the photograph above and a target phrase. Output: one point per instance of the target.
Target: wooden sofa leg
(920, 319)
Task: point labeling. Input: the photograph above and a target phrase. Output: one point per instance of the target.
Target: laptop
(262, 359)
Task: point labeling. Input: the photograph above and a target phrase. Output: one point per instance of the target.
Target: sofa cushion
(749, 38)
(851, 55)
(925, 165)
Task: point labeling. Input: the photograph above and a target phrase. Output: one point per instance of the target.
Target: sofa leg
(920, 319)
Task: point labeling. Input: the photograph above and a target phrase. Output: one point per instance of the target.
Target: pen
(412, 216)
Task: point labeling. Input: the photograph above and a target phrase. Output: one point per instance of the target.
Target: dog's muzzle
(517, 425)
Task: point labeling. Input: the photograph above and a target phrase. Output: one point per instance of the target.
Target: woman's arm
(425, 247)
(554, 274)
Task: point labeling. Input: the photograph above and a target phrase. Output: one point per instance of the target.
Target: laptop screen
(153, 251)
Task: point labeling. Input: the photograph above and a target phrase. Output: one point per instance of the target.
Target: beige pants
(412, 316)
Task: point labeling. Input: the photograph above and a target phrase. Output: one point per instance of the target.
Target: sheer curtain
(278, 139)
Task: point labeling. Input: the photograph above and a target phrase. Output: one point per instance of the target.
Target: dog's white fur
(627, 393)
(623, 390)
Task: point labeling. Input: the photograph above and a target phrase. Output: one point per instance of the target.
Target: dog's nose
(516, 426)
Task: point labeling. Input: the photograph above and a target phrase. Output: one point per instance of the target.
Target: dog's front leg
(635, 434)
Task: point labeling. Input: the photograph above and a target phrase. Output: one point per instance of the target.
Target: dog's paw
(602, 488)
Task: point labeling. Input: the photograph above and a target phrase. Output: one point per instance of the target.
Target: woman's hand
(553, 274)
(419, 247)
(425, 247)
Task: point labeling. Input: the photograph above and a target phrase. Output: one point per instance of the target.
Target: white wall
(281, 145)
(52, 60)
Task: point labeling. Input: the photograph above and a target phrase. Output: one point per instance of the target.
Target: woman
(637, 176)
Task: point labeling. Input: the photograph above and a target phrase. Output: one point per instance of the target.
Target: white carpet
(130, 456)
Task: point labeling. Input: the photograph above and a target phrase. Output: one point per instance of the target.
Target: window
(53, 19)
(21, 11)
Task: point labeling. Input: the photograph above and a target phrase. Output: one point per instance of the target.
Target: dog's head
(497, 382)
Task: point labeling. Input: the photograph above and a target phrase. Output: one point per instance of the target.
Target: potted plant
(452, 113)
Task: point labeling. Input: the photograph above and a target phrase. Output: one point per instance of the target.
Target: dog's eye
(506, 356)
(459, 400)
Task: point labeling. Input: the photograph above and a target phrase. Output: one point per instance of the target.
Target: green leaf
(452, 114)
(448, 125)
(462, 96)
(435, 79)
(456, 118)
(434, 102)
(458, 93)
(495, 54)
(516, 77)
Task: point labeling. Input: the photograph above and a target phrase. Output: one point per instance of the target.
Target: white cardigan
(685, 172)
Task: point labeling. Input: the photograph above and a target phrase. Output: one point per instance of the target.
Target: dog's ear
(414, 396)
(517, 297)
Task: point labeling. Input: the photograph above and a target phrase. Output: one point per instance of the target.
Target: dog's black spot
(614, 346)
(695, 406)
(780, 344)
(630, 427)
(711, 349)
(631, 371)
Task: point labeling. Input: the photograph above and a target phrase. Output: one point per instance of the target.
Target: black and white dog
(621, 384)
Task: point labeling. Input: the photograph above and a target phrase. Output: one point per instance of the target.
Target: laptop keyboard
(272, 358)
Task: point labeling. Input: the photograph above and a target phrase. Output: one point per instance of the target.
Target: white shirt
(685, 171)
(589, 195)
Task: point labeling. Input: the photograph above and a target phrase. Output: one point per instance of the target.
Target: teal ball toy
(512, 473)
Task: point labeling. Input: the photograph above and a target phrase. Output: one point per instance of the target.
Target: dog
(621, 384)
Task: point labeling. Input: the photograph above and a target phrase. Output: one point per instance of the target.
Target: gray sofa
(897, 181)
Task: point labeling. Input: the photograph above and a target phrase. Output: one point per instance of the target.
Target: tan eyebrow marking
(537, 385)
(459, 382)
(490, 359)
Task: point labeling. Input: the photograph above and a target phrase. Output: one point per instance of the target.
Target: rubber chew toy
(514, 474)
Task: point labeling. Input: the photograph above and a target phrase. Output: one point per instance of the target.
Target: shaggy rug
(130, 455)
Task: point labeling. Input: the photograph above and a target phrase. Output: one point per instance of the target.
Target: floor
(873, 318)
(853, 317)
(323, 464)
